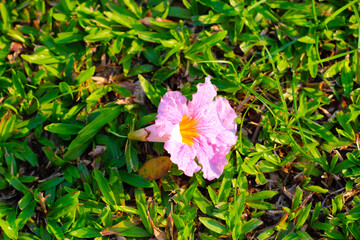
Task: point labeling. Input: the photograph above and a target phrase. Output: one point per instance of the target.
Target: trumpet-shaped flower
(203, 128)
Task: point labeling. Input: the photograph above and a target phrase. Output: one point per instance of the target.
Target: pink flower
(203, 128)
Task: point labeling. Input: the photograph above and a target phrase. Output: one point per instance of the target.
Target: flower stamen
(188, 130)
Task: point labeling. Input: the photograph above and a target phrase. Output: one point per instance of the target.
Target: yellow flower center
(188, 130)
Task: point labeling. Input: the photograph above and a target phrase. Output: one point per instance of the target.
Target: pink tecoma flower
(203, 128)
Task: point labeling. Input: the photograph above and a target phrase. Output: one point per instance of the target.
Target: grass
(77, 76)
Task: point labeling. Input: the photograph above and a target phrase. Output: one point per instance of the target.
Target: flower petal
(226, 113)
(153, 134)
(212, 159)
(208, 124)
(183, 155)
(217, 163)
(204, 96)
(217, 123)
(225, 139)
(171, 109)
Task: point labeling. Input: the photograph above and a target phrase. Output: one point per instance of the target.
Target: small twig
(51, 176)
(239, 107)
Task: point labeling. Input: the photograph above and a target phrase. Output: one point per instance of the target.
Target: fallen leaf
(124, 101)
(155, 168)
(163, 20)
(159, 235)
(42, 201)
(99, 149)
(170, 221)
(16, 47)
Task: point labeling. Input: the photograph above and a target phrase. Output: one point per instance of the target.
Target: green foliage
(77, 76)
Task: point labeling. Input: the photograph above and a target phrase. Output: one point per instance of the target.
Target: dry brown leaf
(171, 223)
(159, 235)
(99, 80)
(163, 20)
(16, 47)
(42, 201)
(155, 168)
(99, 150)
(124, 101)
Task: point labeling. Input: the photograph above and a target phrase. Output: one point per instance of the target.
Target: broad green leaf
(323, 226)
(88, 232)
(28, 236)
(260, 205)
(354, 213)
(7, 124)
(99, 35)
(206, 43)
(213, 225)
(179, 12)
(347, 80)
(142, 208)
(307, 39)
(122, 226)
(312, 57)
(65, 88)
(131, 157)
(136, 232)
(220, 7)
(120, 90)
(83, 140)
(266, 234)
(334, 234)
(25, 200)
(61, 17)
(124, 18)
(236, 211)
(247, 226)
(18, 84)
(225, 187)
(303, 216)
(51, 183)
(73, 111)
(261, 195)
(64, 205)
(354, 229)
(53, 157)
(84, 75)
(149, 91)
(202, 203)
(63, 128)
(135, 180)
(68, 37)
(5, 16)
(55, 230)
(96, 95)
(297, 198)
(43, 59)
(104, 187)
(133, 7)
(9, 231)
(15, 183)
(314, 188)
(316, 212)
(334, 69)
